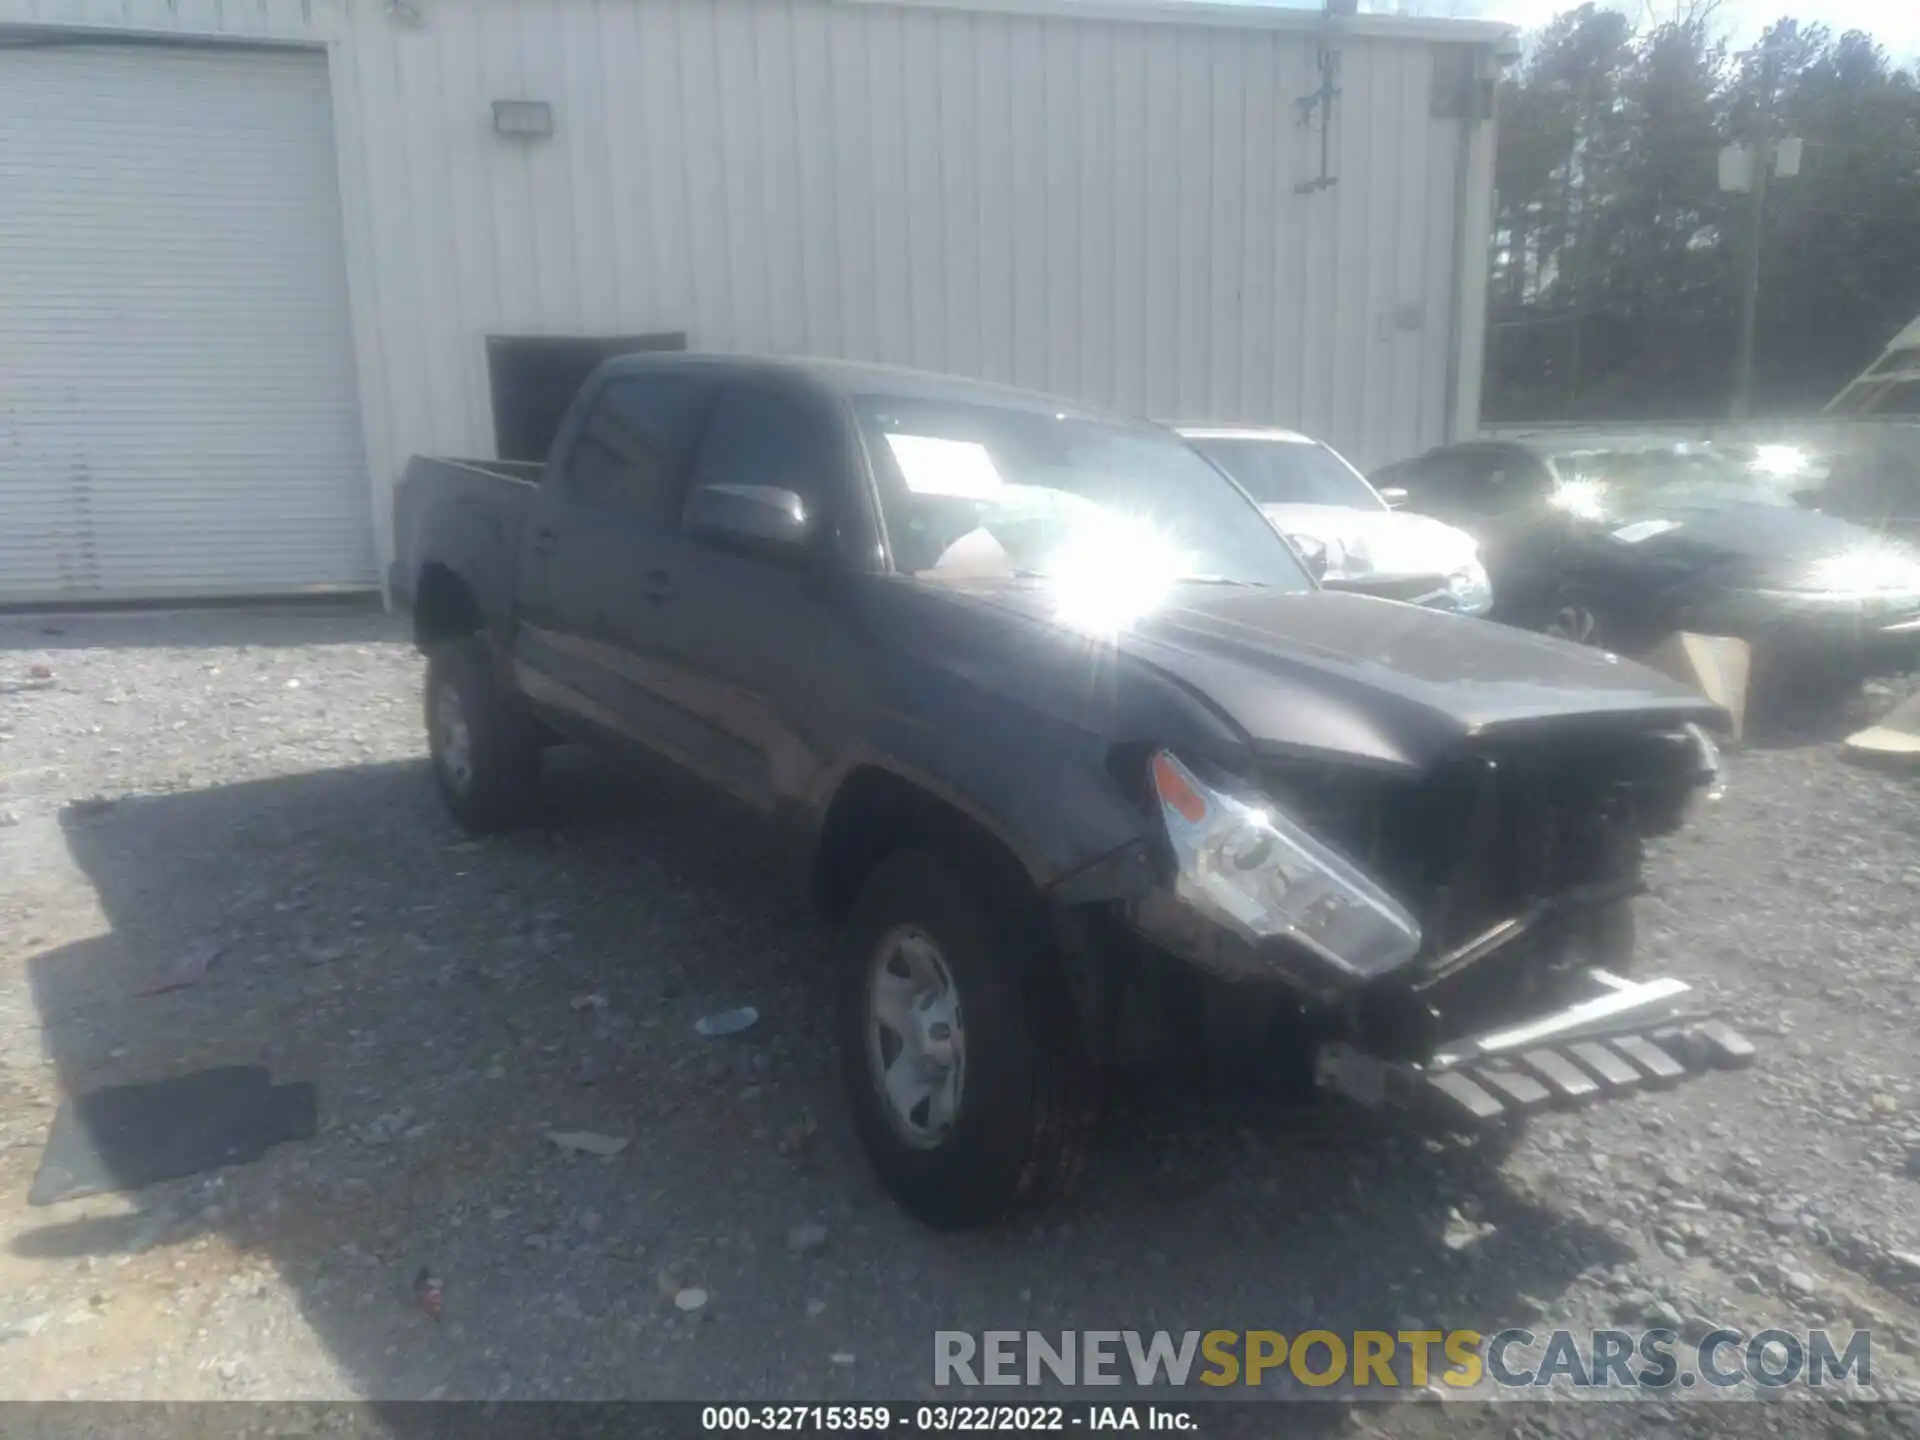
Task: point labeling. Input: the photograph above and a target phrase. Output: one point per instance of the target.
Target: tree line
(1617, 258)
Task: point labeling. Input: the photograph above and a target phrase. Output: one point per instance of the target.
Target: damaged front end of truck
(1456, 942)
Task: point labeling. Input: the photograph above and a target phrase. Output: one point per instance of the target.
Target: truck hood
(1376, 544)
(1353, 677)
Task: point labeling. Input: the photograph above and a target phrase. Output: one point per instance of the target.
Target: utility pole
(1582, 235)
(1761, 151)
(1577, 282)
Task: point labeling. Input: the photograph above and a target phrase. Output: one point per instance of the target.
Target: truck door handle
(544, 542)
(658, 587)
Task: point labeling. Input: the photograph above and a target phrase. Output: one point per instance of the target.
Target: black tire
(496, 786)
(1587, 617)
(1024, 1120)
(1577, 616)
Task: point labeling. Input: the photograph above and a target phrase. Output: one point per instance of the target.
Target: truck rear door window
(634, 444)
(535, 377)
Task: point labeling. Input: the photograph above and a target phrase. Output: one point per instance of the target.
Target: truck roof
(853, 377)
(1238, 432)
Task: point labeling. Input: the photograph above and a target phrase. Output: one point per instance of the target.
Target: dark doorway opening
(535, 377)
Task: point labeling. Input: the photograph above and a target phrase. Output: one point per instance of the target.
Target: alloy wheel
(916, 1038)
(1576, 623)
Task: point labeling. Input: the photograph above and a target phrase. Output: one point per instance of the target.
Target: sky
(1894, 23)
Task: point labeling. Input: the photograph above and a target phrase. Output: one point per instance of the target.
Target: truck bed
(464, 514)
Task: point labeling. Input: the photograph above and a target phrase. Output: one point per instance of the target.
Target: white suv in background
(1337, 520)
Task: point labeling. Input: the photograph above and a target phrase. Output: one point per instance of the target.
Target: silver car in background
(1339, 521)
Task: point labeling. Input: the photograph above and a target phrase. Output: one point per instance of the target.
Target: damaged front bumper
(1626, 1036)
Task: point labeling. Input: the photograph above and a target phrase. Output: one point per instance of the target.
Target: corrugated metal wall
(292, 20)
(1096, 206)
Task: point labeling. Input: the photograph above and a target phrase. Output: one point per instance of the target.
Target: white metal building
(254, 253)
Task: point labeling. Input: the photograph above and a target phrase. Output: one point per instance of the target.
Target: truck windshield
(1289, 472)
(969, 489)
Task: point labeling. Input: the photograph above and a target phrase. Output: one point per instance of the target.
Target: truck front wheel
(967, 1107)
(485, 754)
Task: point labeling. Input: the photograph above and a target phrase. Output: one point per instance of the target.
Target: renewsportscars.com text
(1511, 1360)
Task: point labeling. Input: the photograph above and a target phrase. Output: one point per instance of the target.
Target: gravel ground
(246, 794)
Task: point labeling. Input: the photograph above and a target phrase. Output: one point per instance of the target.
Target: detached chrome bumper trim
(1634, 1036)
(1624, 1005)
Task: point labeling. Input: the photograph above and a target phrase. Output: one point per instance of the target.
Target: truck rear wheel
(485, 754)
(966, 1106)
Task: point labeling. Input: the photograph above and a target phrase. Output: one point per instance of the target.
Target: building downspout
(1470, 240)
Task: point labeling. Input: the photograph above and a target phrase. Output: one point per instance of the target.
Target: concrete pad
(1718, 666)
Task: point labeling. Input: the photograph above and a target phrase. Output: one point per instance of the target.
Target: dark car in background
(1868, 473)
(1621, 539)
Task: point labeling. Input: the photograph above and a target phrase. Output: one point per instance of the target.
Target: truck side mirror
(1394, 495)
(765, 519)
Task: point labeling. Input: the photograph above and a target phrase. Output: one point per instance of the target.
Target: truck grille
(1498, 829)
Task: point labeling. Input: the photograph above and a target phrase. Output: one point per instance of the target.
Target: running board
(1628, 1037)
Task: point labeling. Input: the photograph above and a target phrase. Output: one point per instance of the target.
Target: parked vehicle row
(1615, 539)
(1071, 749)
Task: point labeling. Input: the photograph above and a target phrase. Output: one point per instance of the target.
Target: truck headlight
(1249, 867)
(1471, 590)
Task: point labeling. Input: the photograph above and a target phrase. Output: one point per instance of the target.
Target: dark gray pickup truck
(1079, 761)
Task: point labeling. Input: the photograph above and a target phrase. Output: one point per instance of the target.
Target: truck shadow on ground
(457, 1002)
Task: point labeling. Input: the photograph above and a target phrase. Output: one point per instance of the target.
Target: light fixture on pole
(1745, 170)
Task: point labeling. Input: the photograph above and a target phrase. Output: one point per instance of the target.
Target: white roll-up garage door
(177, 403)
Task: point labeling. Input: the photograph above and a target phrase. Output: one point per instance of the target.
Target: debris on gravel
(586, 1142)
(727, 1022)
(808, 1239)
(429, 1294)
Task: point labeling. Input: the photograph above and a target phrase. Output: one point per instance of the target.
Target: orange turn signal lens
(1175, 789)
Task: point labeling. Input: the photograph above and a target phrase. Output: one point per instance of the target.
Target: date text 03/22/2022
(955, 1418)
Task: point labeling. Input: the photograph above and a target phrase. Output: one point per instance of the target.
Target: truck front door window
(633, 445)
(752, 651)
(762, 438)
